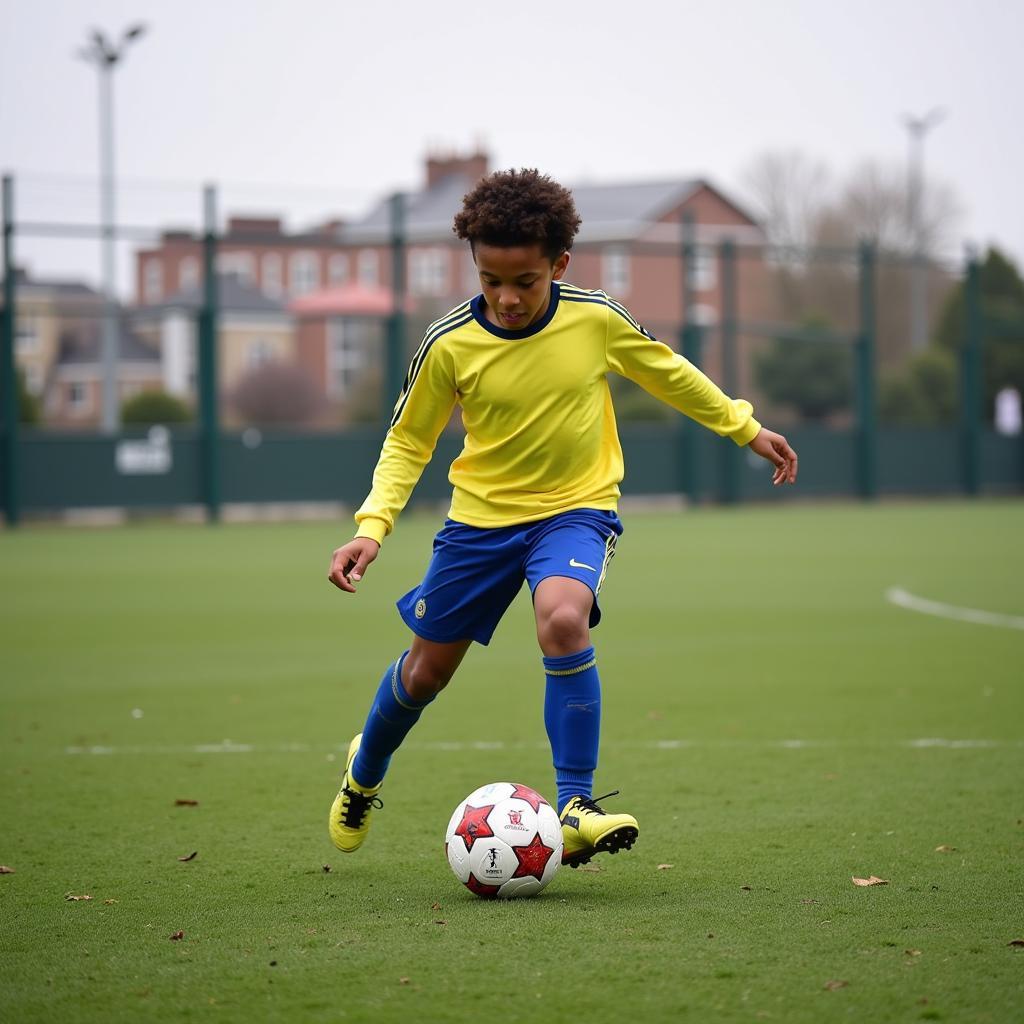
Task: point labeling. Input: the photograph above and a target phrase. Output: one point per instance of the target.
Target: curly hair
(521, 207)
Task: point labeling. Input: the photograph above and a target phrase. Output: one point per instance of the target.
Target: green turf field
(774, 723)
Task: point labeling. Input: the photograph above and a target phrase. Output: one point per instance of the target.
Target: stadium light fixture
(106, 55)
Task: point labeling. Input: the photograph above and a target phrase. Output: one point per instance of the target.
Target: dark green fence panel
(1001, 463)
(289, 466)
(59, 471)
(920, 461)
(651, 453)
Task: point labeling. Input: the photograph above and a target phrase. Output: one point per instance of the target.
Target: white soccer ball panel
(458, 858)
(550, 828)
(513, 820)
(492, 862)
(520, 887)
(491, 793)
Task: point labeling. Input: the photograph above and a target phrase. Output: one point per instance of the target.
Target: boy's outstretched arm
(349, 562)
(775, 448)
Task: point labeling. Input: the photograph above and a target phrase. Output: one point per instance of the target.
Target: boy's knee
(563, 629)
(424, 677)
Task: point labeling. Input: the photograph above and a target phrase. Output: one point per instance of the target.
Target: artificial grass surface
(775, 725)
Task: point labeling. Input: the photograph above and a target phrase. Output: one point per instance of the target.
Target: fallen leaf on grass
(945, 849)
(912, 952)
(72, 898)
(665, 867)
(5, 870)
(189, 856)
(1016, 942)
(186, 803)
(835, 983)
(873, 880)
(177, 936)
(109, 903)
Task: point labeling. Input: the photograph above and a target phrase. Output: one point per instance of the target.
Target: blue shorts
(475, 574)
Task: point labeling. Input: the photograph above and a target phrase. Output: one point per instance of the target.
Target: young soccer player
(534, 490)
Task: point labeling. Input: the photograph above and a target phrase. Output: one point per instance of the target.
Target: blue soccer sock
(391, 717)
(572, 717)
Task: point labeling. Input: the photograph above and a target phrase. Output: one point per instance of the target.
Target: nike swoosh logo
(581, 565)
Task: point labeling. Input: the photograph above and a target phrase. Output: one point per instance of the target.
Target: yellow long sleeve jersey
(540, 429)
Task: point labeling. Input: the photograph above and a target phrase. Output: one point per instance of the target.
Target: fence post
(8, 364)
(689, 347)
(395, 361)
(970, 378)
(209, 431)
(867, 406)
(730, 489)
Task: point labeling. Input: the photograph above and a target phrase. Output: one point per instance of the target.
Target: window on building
(702, 269)
(337, 269)
(428, 272)
(241, 264)
(273, 275)
(34, 378)
(703, 315)
(26, 333)
(79, 398)
(152, 281)
(615, 270)
(258, 352)
(303, 273)
(369, 268)
(188, 273)
(347, 355)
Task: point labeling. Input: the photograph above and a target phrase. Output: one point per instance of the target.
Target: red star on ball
(480, 888)
(474, 824)
(532, 859)
(531, 796)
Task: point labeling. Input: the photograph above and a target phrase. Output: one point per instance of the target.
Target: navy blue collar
(479, 309)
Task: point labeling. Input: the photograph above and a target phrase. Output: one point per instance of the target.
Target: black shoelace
(358, 807)
(590, 803)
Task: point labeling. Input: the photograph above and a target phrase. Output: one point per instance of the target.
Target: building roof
(233, 296)
(346, 300)
(80, 345)
(29, 286)
(609, 211)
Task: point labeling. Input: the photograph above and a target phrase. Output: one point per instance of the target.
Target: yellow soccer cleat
(350, 812)
(587, 829)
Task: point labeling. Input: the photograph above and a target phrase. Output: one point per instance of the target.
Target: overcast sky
(311, 108)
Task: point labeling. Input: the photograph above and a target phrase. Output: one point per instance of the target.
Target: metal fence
(848, 451)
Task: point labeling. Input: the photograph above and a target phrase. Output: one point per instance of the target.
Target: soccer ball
(504, 840)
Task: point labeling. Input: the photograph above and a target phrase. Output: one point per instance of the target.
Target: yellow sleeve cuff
(750, 430)
(374, 529)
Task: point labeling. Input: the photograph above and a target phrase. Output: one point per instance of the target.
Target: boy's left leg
(572, 716)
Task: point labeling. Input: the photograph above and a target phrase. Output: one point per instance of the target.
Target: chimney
(444, 165)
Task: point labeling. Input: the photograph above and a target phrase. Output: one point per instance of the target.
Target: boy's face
(516, 282)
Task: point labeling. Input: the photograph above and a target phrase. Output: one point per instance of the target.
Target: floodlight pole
(917, 129)
(106, 55)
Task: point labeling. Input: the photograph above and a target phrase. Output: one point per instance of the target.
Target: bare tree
(277, 393)
(789, 191)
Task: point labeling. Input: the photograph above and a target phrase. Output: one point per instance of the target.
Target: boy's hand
(775, 448)
(350, 561)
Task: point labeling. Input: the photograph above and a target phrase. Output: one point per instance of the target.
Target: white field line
(900, 597)
(456, 746)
